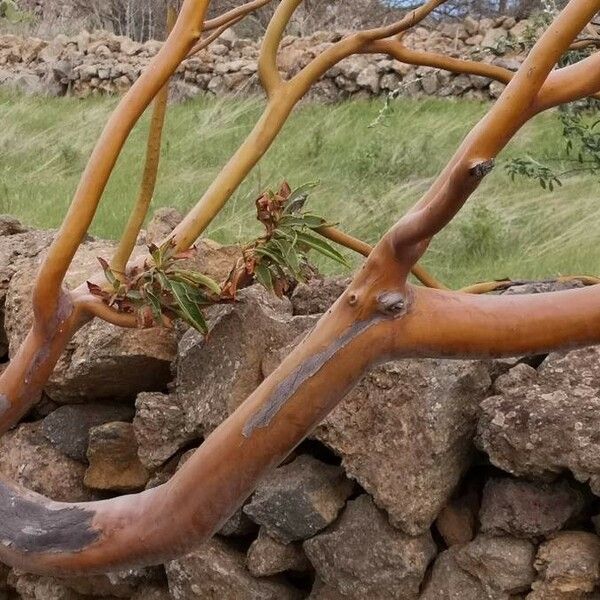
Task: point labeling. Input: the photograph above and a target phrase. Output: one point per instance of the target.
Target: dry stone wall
(432, 480)
(102, 63)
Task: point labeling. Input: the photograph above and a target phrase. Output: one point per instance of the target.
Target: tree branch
(148, 184)
(104, 156)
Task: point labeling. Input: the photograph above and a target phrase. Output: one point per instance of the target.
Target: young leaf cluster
(162, 290)
(279, 259)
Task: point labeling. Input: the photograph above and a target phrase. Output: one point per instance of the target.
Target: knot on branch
(481, 169)
(391, 303)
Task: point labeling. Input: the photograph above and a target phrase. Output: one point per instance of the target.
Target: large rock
(317, 295)
(101, 361)
(528, 510)
(217, 572)
(268, 556)
(299, 499)
(68, 427)
(114, 463)
(567, 564)
(544, 422)
(363, 556)
(215, 374)
(160, 427)
(405, 434)
(29, 459)
(500, 564)
(448, 581)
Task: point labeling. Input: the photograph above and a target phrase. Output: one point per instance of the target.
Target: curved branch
(107, 149)
(233, 15)
(215, 35)
(60, 538)
(142, 204)
(348, 241)
(267, 61)
(474, 158)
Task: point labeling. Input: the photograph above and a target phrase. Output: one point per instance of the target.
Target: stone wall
(100, 63)
(432, 480)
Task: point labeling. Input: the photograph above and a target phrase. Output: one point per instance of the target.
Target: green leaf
(198, 279)
(298, 198)
(109, 274)
(263, 276)
(272, 253)
(320, 245)
(187, 307)
(291, 257)
(153, 301)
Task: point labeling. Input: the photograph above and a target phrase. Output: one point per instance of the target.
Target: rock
(363, 556)
(238, 524)
(430, 83)
(217, 373)
(214, 260)
(33, 587)
(114, 463)
(299, 499)
(317, 295)
(496, 89)
(457, 521)
(471, 25)
(528, 510)
(369, 78)
(539, 287)
(568, 563)
(217, 572)
(163, 221)
(102, 361)
(405, 434)
(449, 582)
(501, 564)
(29, 459)
(492, 37)
(152, 592)
(546, 423)
(11, 226)
(68, 427)
(160, 428)
(267, 556)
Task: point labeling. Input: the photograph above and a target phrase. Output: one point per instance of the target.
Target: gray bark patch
(27, 524)
(310, 367)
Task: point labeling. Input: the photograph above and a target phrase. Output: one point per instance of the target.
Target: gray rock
(363, 556)
(317, 295)
(11, 226)
(217, 572)
(160, 428)
(528, 510)
(539, 287)
(216, 374)
(500, 564)
(457, 521)
(163, 221)
(113, 458)
(268, 556)
(544, 423)
(449, 582)
(369, 78)
(68, 427)
(238, 524)
(405, 434)
(299, 499)
(28, 458)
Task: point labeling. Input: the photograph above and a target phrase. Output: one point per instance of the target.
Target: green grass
(368, 176)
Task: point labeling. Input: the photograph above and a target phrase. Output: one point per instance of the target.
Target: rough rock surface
(363, 556)
(68, 427)
(267, 556)
(500, 564)
(217, 572)
(404, 433)
(317, 295)
(544, 422)
(449, 582)
(216, 374)
(457, 521)
(568, 563)
(299, 499)
(29, 459)
(529, 510)
(102, 63)
(113, 458)
(160, 428)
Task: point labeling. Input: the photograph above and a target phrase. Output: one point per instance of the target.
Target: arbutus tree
(380, 316)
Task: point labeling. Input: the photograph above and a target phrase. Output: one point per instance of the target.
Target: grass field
(368, 176)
